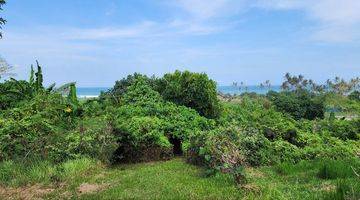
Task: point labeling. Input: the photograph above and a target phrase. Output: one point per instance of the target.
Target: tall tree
(5, 68)
(2, 20)
(72, 94)
(32, 75)
(39, 77)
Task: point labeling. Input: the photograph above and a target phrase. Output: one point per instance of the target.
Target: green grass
(165, 180)
(345, 189)
(17, 173)
(176, 179)
(334, 169)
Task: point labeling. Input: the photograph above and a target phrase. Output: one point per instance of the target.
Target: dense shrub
(194, 90)
(145, 122)
(355, 95)
(299, 104)
(343, 129)
(140, 136)
(140, 93)
(44, 127)
(13, 91)
(34, 127)
(253, 113)
(271, 137)
(122, 85)
(249, 142)
(343, 104)
(93, 137)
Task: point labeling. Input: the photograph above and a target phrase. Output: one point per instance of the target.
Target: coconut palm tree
(5, 68)
(2, 20)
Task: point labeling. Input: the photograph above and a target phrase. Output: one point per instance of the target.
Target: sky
(97, 42)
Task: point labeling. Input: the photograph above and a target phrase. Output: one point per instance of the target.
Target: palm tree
(5, 68)
(2, 20)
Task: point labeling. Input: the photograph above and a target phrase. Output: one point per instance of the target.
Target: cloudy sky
(99, 41)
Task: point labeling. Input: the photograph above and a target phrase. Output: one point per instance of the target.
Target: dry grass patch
(25, 193)
(87, 188)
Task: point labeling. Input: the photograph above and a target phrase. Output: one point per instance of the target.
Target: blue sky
(97, 42)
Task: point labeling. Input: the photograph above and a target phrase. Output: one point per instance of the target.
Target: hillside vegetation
(294, 144)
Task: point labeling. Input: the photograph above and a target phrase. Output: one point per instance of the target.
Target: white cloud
(203, 17)
(338, 20)
(327, 11)
(204, 9)
(110, 32)
(188, 27)
(335, 20)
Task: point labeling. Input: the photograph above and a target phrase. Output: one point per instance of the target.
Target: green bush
(343, 129)
(355, 95)
(252, 145)
(140, 93)
(144, 121)
(44, 127)
(290, 141)
(12, 92)
(121, 87)
(194, 90)
(323, 145)
(93, 137)
(252, 113)
(34, 127)
(142, 130)
(299, 104)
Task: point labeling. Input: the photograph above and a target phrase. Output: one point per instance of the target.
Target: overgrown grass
(334, 169)
(17, 173)
(175, 179)
(345, 189)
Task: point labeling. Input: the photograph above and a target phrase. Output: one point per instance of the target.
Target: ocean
(91, 92)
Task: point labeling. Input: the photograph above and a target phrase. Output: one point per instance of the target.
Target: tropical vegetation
(144, 119)
(177, 137)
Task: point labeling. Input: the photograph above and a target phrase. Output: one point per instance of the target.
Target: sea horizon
(92, 92)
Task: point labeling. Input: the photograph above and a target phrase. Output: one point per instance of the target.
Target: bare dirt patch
(34, 192)
(87, 188)
(251, 188)
(255, 173)
(327, 187)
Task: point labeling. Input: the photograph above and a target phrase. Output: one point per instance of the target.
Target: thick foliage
(248, 142)
(122, 85)
(299, 104)
(140, 93)
(194, 90)
(47, 126)
(355, 95)
(13, 91)
(34, 127)
(343, 129)
(92, 137)
(264, 136)
(144, 121)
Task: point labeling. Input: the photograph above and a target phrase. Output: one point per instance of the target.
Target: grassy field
(175, 179)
